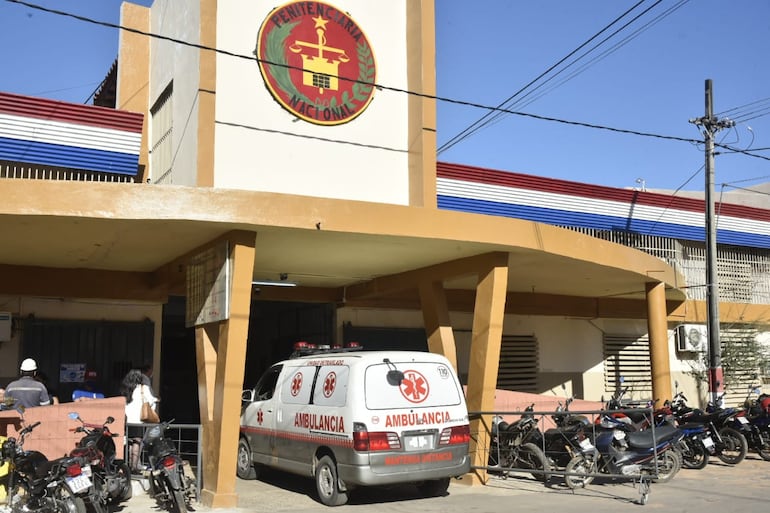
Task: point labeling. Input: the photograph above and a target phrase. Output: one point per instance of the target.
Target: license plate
(586, 444)
(78, 483)
(418, 442)
(708, 443)
(742, 420)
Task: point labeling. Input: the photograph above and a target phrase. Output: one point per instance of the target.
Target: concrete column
(487, 334)
(435, 314)
(221, 353)
(657, 327)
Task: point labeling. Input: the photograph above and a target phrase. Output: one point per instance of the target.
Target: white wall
(566, 345)
(261, 146)
(178, 19)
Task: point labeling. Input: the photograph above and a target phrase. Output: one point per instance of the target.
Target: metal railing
(186, 437)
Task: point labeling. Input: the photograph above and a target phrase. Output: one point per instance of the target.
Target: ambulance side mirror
(395, 377)
(247, 396)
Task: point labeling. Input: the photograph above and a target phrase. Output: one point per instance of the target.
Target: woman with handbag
(141, 408)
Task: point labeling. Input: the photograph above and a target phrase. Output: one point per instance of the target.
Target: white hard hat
(28, 365)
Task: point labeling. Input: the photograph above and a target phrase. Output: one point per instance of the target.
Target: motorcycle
(36, 484)
(617, 449)
(695, 447)
(562, 442)
(170, 485)
(111, 476)
(516, 446)
(756, 417)
(730, 444)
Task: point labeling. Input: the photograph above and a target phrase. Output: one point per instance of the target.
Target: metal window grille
(627, 364)
(518, 365)
(161, 130)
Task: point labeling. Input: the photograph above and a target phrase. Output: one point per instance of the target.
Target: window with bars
(519, 363)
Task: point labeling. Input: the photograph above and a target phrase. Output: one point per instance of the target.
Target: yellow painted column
(221, 353)
(435, 314)
(657, 327)
(488, 315)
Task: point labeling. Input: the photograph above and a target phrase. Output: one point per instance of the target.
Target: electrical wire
(483, 121)
(362, 82)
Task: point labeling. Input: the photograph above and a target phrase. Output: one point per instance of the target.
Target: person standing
(136, 392)
(27, 391)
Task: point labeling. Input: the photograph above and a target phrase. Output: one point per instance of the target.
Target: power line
(483, 121)
(362, 82)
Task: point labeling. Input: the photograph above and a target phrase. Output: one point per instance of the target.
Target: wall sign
(316, 62)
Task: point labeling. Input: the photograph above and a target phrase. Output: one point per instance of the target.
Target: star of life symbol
(296, 384)
(260, 417)
(330, 382)
(414, 387)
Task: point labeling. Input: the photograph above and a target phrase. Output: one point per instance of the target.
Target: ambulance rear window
(425, 385)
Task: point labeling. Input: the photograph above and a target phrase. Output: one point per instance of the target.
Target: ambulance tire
(245, 467)
(327, 484)
(434, 487)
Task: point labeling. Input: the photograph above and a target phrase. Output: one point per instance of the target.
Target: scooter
(36, 484)
(169, 484)
(111, 476)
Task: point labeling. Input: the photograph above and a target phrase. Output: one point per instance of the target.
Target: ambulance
(349, 418)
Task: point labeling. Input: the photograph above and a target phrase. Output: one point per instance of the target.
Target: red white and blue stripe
(83, 137)
(566, 203)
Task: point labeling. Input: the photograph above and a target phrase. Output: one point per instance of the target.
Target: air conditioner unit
(692, 337)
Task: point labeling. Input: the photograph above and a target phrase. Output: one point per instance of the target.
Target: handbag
(148, 415)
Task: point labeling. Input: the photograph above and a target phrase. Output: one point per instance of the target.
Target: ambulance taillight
(364, 441)
(455, 435)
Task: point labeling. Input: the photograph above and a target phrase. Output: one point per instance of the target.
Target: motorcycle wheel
(123, 473)
(764, 450)
(734, 446)
(668, 466)
(176, 498)
(574, 473)
(532, 457)
(68, 503)
(694, 455)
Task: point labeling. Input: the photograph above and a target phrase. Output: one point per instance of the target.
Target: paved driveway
(744, 488)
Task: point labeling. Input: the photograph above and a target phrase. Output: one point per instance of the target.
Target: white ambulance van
(357, 418)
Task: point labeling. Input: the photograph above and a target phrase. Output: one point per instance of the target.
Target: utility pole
(710, 126)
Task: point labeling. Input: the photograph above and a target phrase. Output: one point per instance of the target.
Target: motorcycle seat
(645, 440)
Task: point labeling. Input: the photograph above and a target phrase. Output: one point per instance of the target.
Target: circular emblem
(329, 384)
(414, 387)
(316, 62)
(296, 384)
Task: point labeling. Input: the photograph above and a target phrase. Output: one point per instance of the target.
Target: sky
(647, 77)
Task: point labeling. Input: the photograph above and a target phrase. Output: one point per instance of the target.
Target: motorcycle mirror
(73, 415)
(110, 420)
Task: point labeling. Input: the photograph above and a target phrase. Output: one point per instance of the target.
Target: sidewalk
(743, 488)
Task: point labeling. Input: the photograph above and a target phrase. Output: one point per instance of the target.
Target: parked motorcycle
(756, 417)
(562, 442)
(169, 484)
(111, 476)
(730, 444)
(617, 450)
(516, 446)
(38, 485)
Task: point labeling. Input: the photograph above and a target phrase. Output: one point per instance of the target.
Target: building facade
(296, 145)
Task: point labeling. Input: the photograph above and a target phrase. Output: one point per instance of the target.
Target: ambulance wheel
(434, 487)
(327, 484)
(245, 465)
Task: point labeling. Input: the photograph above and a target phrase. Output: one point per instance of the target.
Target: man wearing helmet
(27, 391)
